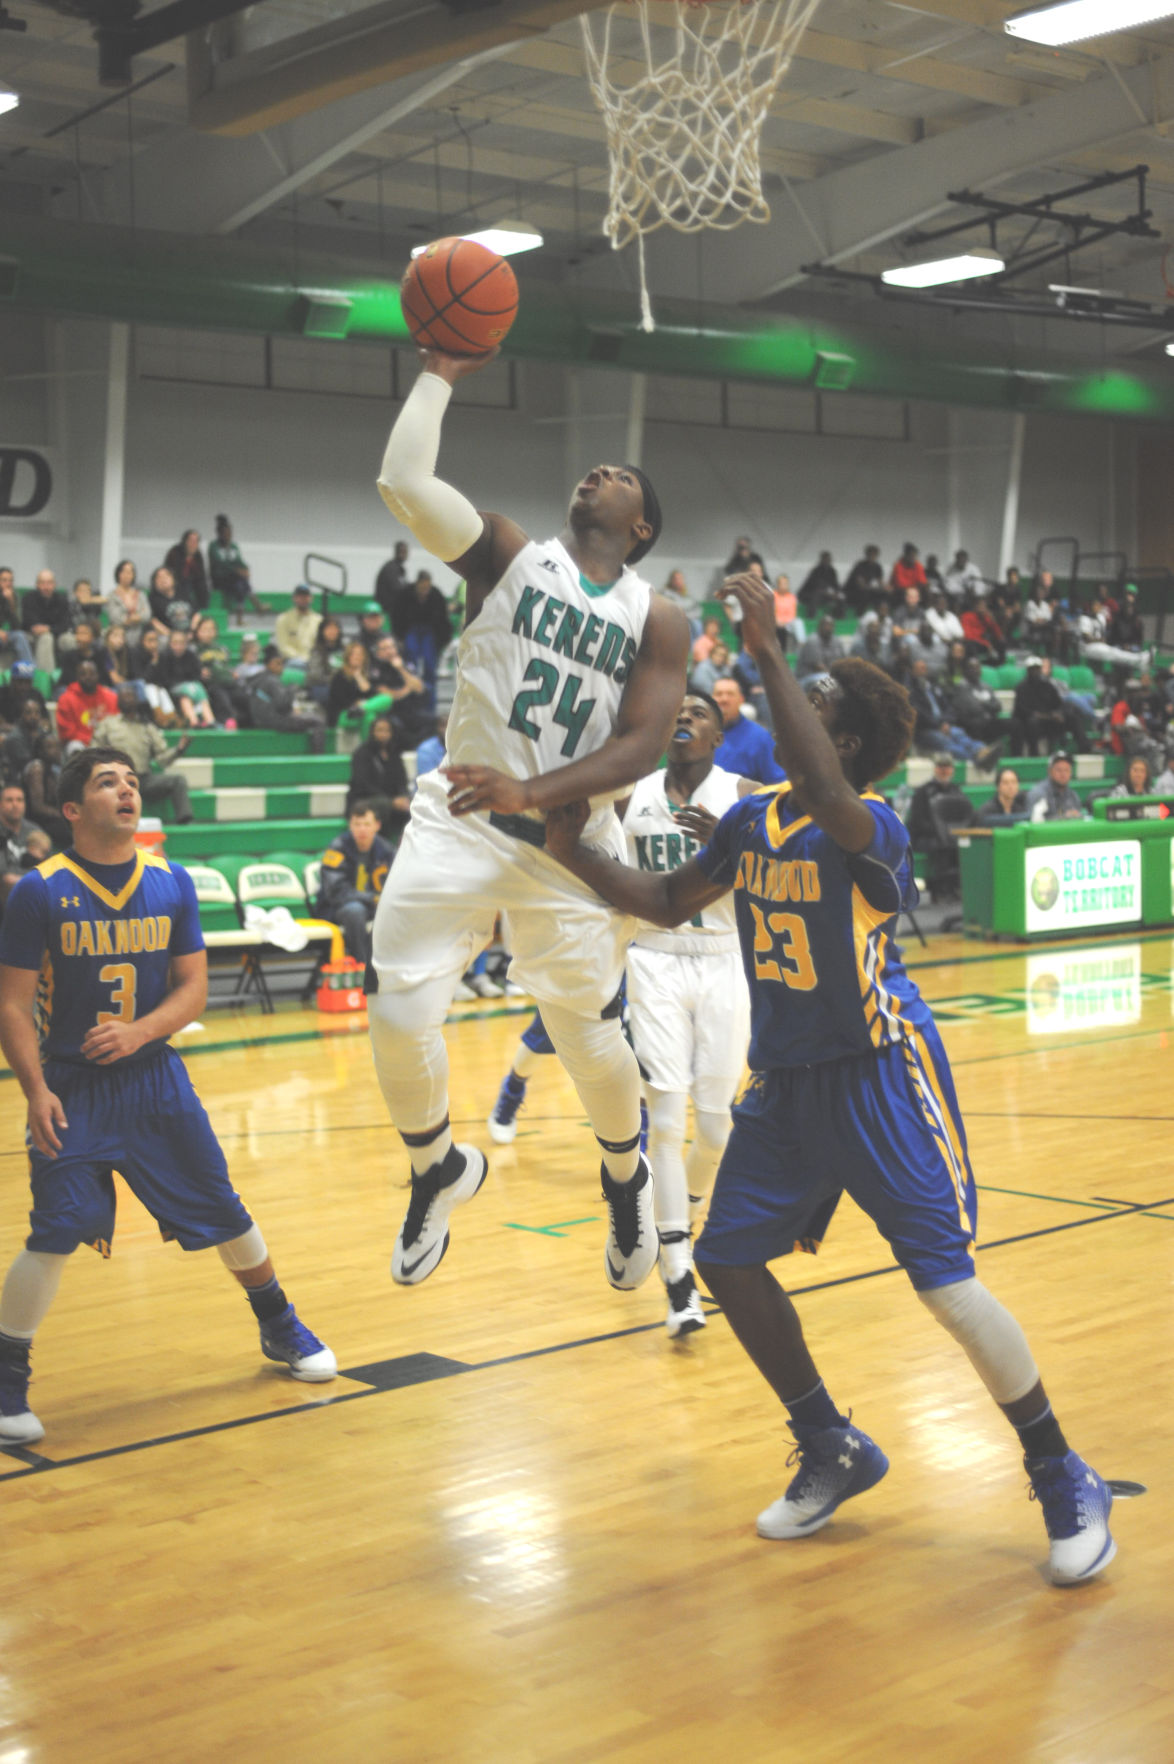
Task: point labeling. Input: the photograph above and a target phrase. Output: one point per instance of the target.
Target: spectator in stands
(230, 574)
(1138, 779)
(908, 571)
(933, 575)
(351, 683)
(179, 673)
(1007, 804)
(1164, 782)
(85, 608)
(127, 729)
(297, 628)
(20, 743)
(271, 702)
(942, 618)
(40, 788)
(676, 590)
(421, 626)
(185, 560)
(1039, 620)
(44, 617)
(866, 581)
(378, 777)
(400, 691)
(1093, 630)
(742, 556)
(956, 659)
(216, 675)
(354, 869)
(1012, 585)
(790, 627)
(869, 643)
(371, 625)
(81, 706)
(880, 614)
(818, 653)
(1082, 711)
(250, 663)
(744, 669)
(981, 630)
(717, 666)
(14, 643)
(711, 633)
(1126, 630)
(392, 578)
(85, 648)
(928, 828)
(128, 606)
(1128, 731)
(821, 585)
(169, 611)
(974, 706)
(964, 577)
(324, 659)
(15, 832)
(934, 731)
(1053, 798)
(925, 645)
(1037, 714)
(899, 666)
(116, 656)
(145, 673)
(745, 748)
(1007, 611)
(430, 753)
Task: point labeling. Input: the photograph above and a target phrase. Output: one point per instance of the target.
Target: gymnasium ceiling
(362, 129)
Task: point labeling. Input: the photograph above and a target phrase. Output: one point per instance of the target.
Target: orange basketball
(459, 297)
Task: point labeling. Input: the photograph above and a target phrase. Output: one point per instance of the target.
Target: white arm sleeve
(444, 521)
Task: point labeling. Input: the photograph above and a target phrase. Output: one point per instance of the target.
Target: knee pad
(711, 1128)
(666, 1116)
(244, 1252)
(592, 1050)
(992, 1338)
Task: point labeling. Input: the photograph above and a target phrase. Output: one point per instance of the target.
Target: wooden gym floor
(521, 1526)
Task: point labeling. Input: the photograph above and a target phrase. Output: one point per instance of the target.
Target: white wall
(295, 470)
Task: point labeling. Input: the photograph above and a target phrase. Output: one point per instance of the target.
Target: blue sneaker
(835, 1463)
(1075, 1503)
(18, 1425)
(503, 1122)
(287, 1339)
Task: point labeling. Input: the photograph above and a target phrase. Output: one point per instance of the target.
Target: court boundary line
(44, 1465)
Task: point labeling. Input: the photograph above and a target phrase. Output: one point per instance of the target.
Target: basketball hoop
(683, 136)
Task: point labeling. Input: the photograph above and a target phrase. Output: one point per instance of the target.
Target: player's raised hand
(482, 787)
(696, 820)
(564, 826)
(453, 367)
(759, 631)
(107, 1042)
(46, 1115)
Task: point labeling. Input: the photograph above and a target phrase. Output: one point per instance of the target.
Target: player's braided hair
(878, 711)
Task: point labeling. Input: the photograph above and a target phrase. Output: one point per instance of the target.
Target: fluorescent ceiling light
(8, 98)
(1170, 349)
(1073, 20)
(963, 268)
(507, 239)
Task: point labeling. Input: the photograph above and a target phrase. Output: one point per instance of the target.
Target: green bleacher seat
(1081, 678)
(43, 682)
(1010, 675)
(269, 882)
(312, 877)
(1061, 673)
(217, 897)
(250, 839)
(991, 677)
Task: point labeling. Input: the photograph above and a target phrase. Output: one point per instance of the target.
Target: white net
(684, 129)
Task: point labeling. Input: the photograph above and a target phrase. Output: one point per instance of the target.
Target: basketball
(459, 297)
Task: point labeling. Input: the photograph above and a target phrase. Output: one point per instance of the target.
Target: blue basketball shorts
(883, 1127)
(145, 1121)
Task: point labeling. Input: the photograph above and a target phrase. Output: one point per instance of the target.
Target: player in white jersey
(569, 675)
(689, 1008)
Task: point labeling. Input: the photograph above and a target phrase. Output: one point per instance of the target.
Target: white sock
(526, 1062)
(603, 1069)
(29, 1289)
(710, 1132)
(666, 1144)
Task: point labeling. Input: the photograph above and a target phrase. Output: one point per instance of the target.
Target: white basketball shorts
(690, 1022)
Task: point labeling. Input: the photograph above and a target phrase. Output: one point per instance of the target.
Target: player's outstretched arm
(109, 1042)
(666, 900)
(648, 711)
(18, 1038)
(805, 749)
(480, 547)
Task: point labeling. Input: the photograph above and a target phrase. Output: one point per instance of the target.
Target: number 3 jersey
(102, 937)
(542, 668)
(816, 926)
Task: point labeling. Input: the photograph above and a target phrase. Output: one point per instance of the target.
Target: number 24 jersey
(816, 926)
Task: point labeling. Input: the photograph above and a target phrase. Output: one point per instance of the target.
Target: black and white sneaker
(632, 1243)
(685, 1313)
(423, 1238)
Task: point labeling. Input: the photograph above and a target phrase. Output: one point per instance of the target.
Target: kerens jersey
(542, 668)
(816, 926)
(102, 937)
(657, 842)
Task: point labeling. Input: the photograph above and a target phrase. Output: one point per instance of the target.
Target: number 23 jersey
(816, 927)
(102, 936)
(542, 668)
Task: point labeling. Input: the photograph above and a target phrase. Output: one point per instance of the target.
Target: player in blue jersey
(101, 960)
(850, 1088)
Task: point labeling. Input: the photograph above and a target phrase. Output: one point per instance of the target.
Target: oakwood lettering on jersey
(778, 878)
(102, 937)
(663, 851)
(577, 635)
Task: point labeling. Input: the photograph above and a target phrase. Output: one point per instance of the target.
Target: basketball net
(683, 136)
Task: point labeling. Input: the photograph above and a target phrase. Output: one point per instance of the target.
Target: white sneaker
(20, 1430)
(484, 987)
(423, 1237)
(1076, 1504)
(632, 1243)
(18, 1425)
(835, 1463)
(463, 994)
(513, 990)
(685, 1313)
(286, 1338)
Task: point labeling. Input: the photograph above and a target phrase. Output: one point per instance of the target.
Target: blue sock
(515, 1085)
(815, 1410)
(268, 1301)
